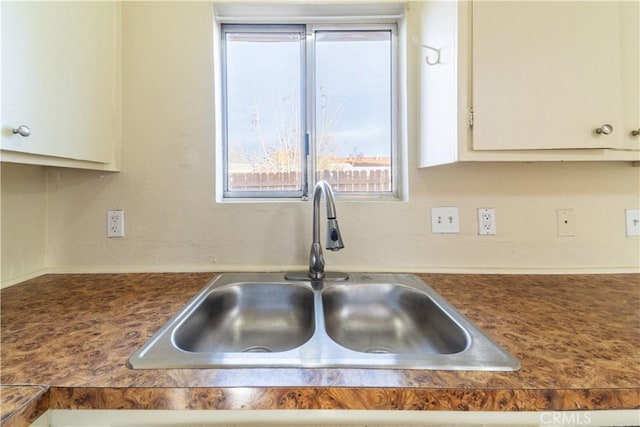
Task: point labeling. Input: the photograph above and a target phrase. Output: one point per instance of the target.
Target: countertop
(21, 405)
(66, 339)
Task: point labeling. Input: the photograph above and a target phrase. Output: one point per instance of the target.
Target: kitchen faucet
(334, 238)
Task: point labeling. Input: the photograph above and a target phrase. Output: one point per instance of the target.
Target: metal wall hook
(426, 58)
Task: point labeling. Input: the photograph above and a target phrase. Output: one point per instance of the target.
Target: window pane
(264, 110)
(353, 109)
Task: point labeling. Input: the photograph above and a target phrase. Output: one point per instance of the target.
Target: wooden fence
(369, 180)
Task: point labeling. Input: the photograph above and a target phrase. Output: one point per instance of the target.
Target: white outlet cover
(115, 223)
(486, 221)
(633, 222)
(445, 220)
(566, 222)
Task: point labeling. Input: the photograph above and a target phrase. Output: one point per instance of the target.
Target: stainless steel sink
(248, 317)
(385, 318)
(368, 321)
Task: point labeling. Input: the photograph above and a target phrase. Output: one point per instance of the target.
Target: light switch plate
(445, 220)
(633, 222)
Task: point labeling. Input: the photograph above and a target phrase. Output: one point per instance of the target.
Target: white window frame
(386, 16)
(304, 144)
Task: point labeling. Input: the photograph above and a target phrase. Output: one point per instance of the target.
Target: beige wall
(23, 221)
(167, 187)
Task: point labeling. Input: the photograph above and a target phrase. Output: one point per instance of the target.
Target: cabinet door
(546, 75)
(630, 32)
(59, 78)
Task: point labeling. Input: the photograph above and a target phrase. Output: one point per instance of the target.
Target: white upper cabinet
(60, 78)
(630, 35)
(546, 75)
(535, 82)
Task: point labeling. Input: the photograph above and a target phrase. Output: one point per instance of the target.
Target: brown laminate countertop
(21, 405)
(576, 336)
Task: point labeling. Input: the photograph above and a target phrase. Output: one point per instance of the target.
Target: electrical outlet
(566, 222)
(486, 221)
(633, 222)
(115, 223)
(445, 220)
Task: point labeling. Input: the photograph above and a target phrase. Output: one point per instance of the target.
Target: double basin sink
(367, 321)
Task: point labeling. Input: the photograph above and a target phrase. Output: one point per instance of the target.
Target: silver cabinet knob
(22, 130)
(605, 129)
(635, 132)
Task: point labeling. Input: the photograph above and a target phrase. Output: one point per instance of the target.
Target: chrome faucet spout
(316, 273)
(334, 238)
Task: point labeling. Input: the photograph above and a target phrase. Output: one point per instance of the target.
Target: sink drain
(379, 350)
(257, 349)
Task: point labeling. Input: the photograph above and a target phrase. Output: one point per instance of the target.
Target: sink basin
(368, 321)
(384, 318)
(248, 317)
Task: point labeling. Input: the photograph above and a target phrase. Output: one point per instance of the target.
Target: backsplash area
(56, 219)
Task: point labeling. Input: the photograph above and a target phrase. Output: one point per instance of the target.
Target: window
(301, 103)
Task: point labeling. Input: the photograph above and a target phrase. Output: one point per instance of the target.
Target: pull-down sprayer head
(334, 238)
